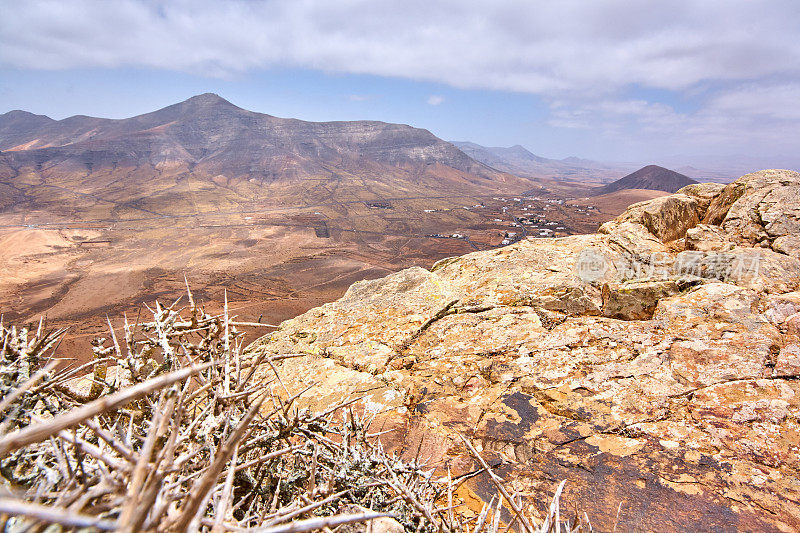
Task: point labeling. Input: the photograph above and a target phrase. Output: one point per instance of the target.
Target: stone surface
(787, 244)
(660, 380)
(757, 268)
(778, 307)
(707, 238)
(704, 193)
(667, 217)
(793, 324)
(768, 208)
(721, 203)
(635, 300)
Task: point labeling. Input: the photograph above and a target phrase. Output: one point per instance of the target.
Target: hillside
(208, 133)
(652, 365)
(651, 177)
(98, 215)
(641, 378)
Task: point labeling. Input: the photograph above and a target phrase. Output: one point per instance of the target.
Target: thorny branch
(171, 430)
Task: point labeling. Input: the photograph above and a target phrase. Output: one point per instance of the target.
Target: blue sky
(609, 79)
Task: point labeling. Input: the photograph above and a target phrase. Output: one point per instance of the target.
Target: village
(512, 219)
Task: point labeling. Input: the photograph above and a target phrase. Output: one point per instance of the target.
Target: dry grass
(169, 429)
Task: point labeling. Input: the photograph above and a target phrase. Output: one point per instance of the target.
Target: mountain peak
(22, 122)
(19, 115)
(207, 100)
(651, 177)
(223, 138)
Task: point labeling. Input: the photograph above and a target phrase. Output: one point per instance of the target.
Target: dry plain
(85, 255)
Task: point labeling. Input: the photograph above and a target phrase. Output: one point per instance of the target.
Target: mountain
(633, 367)
(521, 162)
(208, 134)
(98, 215)
(651, 177)
(516, 159)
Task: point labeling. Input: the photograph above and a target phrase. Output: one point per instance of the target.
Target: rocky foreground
(654, 365)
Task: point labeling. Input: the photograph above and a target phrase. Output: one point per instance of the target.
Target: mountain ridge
(520, 161)
(207, 130)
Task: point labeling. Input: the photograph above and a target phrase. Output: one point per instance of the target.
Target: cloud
(603, 65)
(359, 98)
(566, 47)
(747, 119)
(435, 99)
(760, 101)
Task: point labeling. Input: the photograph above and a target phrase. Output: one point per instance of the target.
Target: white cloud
(435, 99)
(359, 98)
(570, 46)
(745, 119)
(602, 65)
(760, 101)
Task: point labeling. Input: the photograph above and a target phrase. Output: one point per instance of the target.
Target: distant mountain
(521, 162)
(208, 134)
(16, 126)
(651, 177)
(516, 159)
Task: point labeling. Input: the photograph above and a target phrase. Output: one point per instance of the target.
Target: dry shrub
(169, 429)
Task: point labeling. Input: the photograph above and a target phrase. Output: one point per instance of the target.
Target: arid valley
(398, 266)
(87, 239)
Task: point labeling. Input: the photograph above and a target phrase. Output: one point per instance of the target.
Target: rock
(531, 272)
(788, 362)
(659, 382)
(704, 193)
(757, 268)
(667, 217)
(706, 238)
(724, 301)
(341, 383)
(722, 335)
(721, 204)
(368, 356)
(407, 300)
(768, 207)
(787, 244)
(632, 238)
(793, 325)
(635, 300)
(779, 307)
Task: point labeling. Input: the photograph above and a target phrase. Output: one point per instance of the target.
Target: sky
(614, 80)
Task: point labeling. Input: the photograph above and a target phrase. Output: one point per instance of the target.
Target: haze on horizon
(611, 80)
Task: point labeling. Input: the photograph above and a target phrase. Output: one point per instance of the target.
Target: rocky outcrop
(668, 217)
(655, 366)
(761, 209)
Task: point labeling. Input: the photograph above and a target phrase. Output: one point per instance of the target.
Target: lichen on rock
(653, 365)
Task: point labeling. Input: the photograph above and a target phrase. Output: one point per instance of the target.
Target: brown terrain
(648, 356)
(98, 216)
(654, 365)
